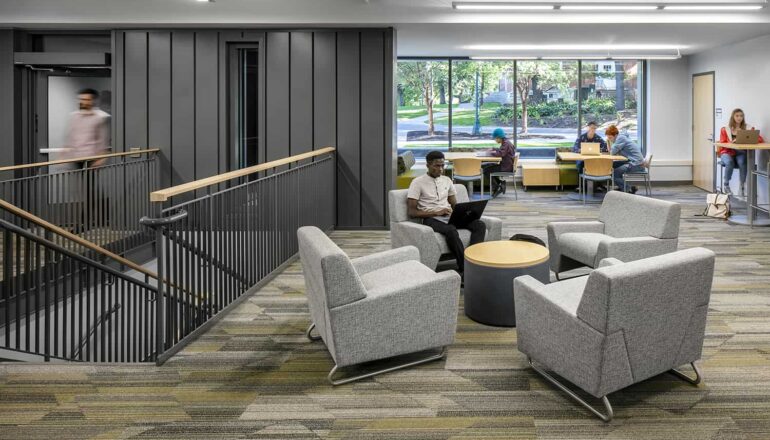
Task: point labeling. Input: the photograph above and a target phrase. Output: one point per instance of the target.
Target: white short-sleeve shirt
(431, 194)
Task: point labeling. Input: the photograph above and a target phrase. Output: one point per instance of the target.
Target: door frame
(713, 123)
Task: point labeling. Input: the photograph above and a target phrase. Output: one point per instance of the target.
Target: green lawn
(415, 111)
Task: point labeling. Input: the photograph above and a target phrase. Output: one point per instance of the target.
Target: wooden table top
(569, 156)
(450, 156)
(506, 254)
(743, 146)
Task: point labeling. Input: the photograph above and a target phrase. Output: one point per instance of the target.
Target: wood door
(703, 162)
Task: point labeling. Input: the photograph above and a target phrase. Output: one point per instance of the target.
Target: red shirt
(725, 138)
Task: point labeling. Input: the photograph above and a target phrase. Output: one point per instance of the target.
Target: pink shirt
(88, 133)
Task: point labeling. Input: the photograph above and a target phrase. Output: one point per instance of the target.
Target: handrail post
(158, 223)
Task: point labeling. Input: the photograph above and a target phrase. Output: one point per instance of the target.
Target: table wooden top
(569, 156)
(450, 156)
(506, 254)
(743, 146)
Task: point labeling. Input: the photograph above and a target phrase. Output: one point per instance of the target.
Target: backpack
(528, 238)
(717, 205)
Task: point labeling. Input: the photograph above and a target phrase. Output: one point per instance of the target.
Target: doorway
(243, 79)
(703, 153)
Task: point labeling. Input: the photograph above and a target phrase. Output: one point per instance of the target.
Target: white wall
(742, 79)
(668, 120)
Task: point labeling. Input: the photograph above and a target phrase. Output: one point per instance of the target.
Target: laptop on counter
(747, 137)
(590, 149)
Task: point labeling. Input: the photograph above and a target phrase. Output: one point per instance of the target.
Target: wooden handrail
(78, 159)
(77, 239)
(164, 194)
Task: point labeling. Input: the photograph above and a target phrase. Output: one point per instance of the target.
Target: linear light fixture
(693, 8)
(496, 6)
(580, 57)
(608, 7)
(604, 7)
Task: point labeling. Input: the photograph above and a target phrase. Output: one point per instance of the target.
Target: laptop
(590, 149)
(747, 137)
(484, 154)
(464, 213)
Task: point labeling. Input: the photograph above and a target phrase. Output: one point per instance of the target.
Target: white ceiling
(425, 27)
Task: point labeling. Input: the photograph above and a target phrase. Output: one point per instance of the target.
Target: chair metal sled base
(431, 358)
(609, 413)
(309, 336)
(605, 417)
(698, 375)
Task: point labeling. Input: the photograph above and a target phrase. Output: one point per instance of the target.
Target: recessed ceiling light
(207, 1)
(572, 47)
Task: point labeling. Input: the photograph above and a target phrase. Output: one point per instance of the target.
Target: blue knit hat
(498, 133)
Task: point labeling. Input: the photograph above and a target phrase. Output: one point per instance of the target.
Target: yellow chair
(468, 170)
(597, 169)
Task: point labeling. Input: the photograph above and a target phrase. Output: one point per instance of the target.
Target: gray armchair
(629, 228)
(622, 324)
(406, 231)
(378, 306)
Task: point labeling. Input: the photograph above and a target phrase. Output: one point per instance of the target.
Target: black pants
(490, 168)
(478, 231)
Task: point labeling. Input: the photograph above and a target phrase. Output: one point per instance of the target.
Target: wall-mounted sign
(719, 113)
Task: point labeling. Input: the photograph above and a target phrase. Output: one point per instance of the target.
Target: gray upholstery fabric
(406, 231)
(389, 304)
(633, 320)
(629, 215)
(630, 228)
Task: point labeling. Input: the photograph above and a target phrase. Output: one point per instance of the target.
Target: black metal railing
(102, 204)
(59, 304)
(214, 249)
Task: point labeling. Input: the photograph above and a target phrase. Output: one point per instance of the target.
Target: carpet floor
(255, 375)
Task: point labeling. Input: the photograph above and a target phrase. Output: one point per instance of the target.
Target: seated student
(731, 157)
(433, 195)
(622, 145)
(589, 136)
(507, 150)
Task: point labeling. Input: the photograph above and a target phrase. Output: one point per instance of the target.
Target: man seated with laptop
(432, 198)
(589, 137)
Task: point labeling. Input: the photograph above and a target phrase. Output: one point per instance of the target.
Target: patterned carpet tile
(254, 375)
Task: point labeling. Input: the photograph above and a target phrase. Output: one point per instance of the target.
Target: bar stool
(504, 175)
(640, 176)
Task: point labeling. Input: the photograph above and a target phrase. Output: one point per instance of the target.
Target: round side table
(490, 268)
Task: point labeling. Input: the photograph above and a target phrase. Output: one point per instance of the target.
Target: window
(613, 98)
(546, 109)
(422, 94)
(482, 100)
(534, 101)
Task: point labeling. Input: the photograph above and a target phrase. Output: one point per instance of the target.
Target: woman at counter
(731, 157)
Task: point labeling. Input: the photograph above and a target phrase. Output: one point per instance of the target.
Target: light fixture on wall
(205, 1)
(606, 7)
(574, 47)
(567, 57)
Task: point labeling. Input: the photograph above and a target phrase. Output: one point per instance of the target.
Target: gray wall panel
(277, 95)
(324, 89)
(7, 106)
(159, 105)
(301, 81)
(206, 109)
(348, 130)
(318, 89)
(135, 79)
(372, 128)
(183, 106)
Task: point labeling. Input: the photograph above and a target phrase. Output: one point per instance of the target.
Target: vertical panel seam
(312, 92)
(195, 105)
(360, 140)
(171, 108)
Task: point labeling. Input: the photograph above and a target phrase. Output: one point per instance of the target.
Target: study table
(470, 155)
(751, 196)
(569, 156)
